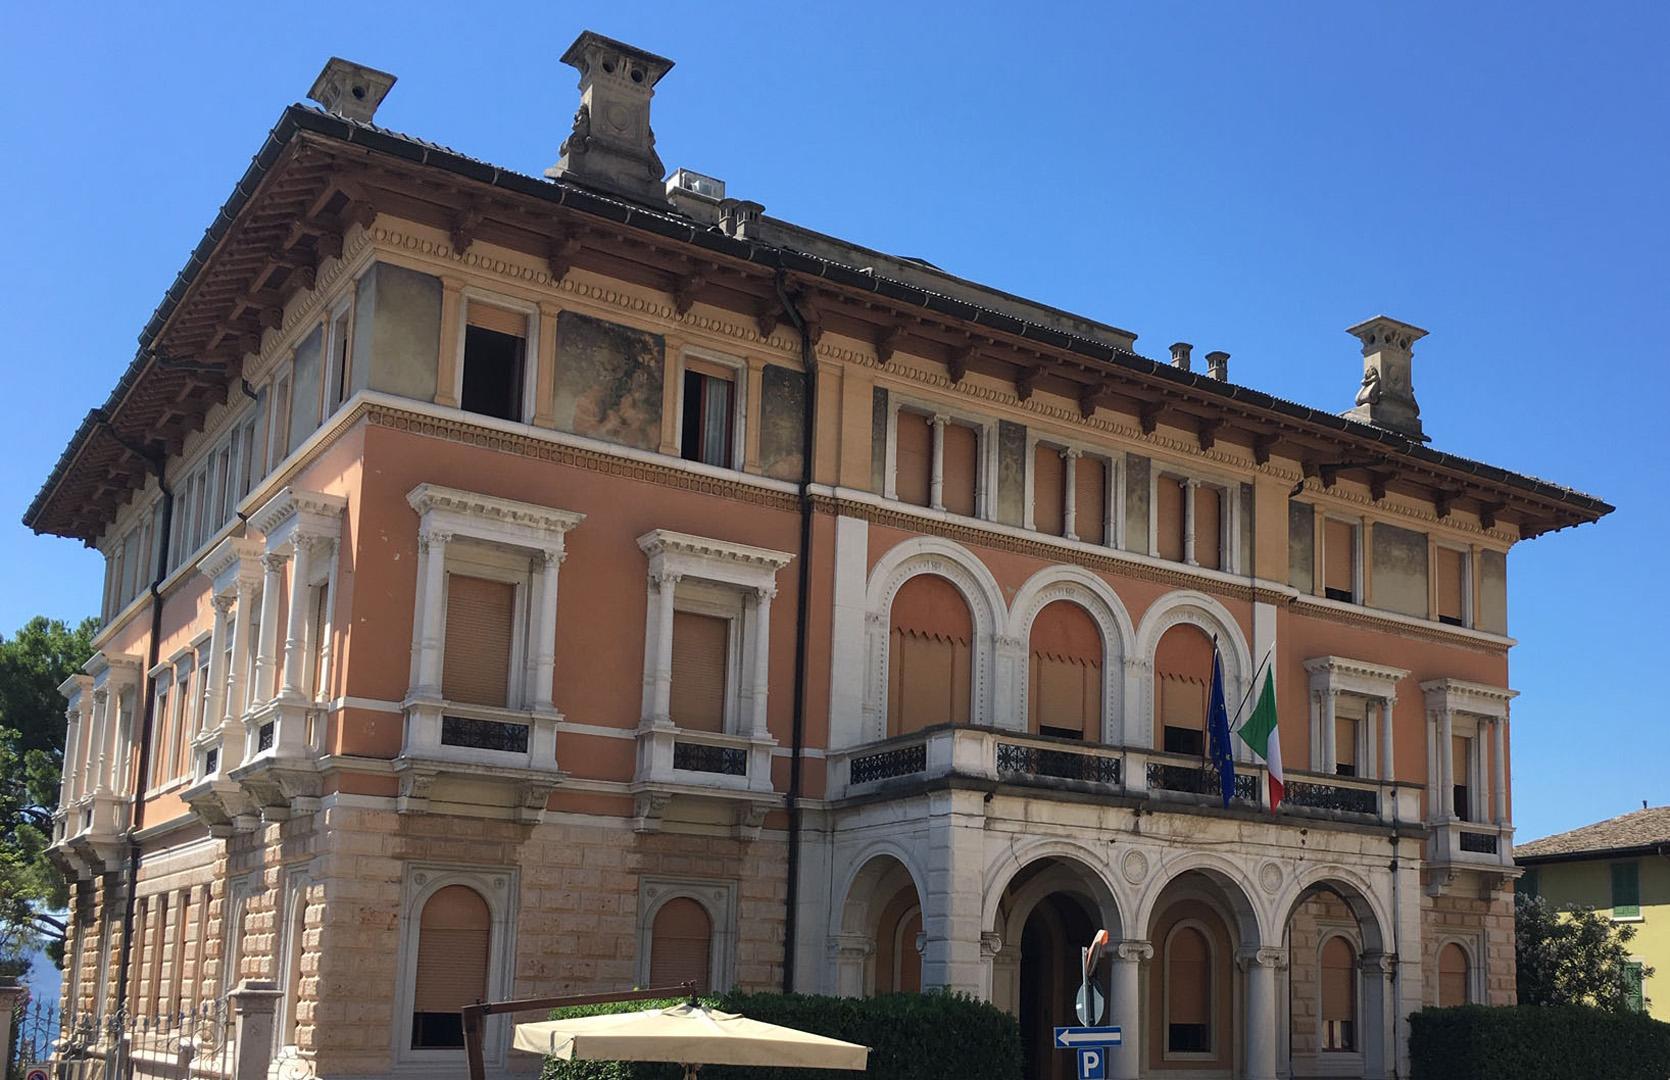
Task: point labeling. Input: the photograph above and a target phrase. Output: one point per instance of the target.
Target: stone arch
(1074, 870)
(1234, 887)
(881, 873)
(959, 566)
(1079, 586)
(1190, 607)
(1353, 889)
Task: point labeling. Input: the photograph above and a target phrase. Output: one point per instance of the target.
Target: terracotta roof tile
(1639, 829)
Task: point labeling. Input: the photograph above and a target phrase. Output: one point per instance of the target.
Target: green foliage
(33, 663)
(931, 1036)
(1529, 1042)
(1572, 956)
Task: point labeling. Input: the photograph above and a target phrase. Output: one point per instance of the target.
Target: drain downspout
(803, 591)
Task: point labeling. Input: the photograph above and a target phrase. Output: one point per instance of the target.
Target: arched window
(1188, 990)
(930, 656)
(1453, 976)
(681, 944)
(1339, 995)
(1065, 681)
(1182, 683)
(455, 935)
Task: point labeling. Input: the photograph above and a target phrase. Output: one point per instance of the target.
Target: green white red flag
(1262, 734)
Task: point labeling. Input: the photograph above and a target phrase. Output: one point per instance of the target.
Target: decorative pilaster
(295, 637)
(234, 704)
(266, 649)
(1330, 731)
(1070, 502)
(1388, 727)
(1260, 965)
(1499, 768)
(546, 565)
(757, 721)
(664, 585)
(936, 488)
(1446, 763)
(214, 674)
(1376, 970)
(1189, 487)
(426, 676)
(100, 750)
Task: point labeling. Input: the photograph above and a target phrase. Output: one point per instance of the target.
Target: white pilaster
(661, 703)
(1446, 766)
(1070, 507)
(1125, 1007)
(1330, 731)
(426, 679)
(1499, 769)
(757, 722)
(936, 488)
(295, 636)
(1189, 487)
(214, 674)
(266, 650)
(1388, 728)
(539, 695)
(951, 909)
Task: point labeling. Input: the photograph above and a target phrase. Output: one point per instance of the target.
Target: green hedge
(931, 1036)
(1529, 1042)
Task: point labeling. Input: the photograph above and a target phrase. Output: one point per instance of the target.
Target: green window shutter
(1637, 996)
(1626, 891)
(1531, 884)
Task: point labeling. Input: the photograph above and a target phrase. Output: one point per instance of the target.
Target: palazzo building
(524, 585)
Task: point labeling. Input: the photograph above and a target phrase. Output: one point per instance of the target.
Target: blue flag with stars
(1217, 730)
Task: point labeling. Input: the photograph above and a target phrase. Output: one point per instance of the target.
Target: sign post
(1090, 1042)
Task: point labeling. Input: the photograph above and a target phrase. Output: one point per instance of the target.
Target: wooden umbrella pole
(475, 1016)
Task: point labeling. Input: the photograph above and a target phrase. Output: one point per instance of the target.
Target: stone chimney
(350, 90)
(612, 147)
(1217, 365)
(1180, 355)
(1387, 396)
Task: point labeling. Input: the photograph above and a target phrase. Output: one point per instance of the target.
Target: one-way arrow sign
(1068, 1037)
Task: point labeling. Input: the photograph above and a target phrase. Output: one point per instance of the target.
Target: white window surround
(1376, 686)
(341, 315)
(507, 540)
(717, 897)
(1229, 512)
(500, 888)
(985, 501)
(1072, 452)
(1458, 707)
(719, 567)
(739, 402)
(530, 343)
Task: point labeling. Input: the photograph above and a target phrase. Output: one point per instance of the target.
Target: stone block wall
(1484, 921)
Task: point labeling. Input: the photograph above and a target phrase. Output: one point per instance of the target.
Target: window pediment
(716, 560)
(1341, 674)
(487, 517)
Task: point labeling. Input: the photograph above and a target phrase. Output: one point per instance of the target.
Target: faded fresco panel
(782, 422)
(608, 381)
(1244, 546)
(1301, 546)
(1011, 473)
(1400, 570)
(1137, 478)
(878, 440)
(1493, 592)
(397, 332)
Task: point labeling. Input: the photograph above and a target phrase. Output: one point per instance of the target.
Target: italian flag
(1262, 734)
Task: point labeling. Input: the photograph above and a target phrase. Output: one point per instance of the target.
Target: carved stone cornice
(433, 502)
(297, 511)
(664, 543)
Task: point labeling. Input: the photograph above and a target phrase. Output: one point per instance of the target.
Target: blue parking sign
(1093, 1063)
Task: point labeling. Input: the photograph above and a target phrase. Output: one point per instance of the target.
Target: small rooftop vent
(708, 187)
(350, 90)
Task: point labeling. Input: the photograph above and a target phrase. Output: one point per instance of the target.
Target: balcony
(710, 776)
(91, 834)
(479, 755)
(1456, 845)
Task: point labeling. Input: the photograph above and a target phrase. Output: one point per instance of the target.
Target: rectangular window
(1452, 575)
(701, 647)
(1049, 499)
(495, 352)
(1626, 890)
(1168, 518)
(159, 734)
(480, 616)
(279, 422)
(1633, 980)
(1182, 714)
(1345, 745)
(709, 417)
(1339, 560)
(913, 457)
(184, 728)
(1461, 764)
(1208, 527)
(337, 388)
(1090, 500)
(960, 472)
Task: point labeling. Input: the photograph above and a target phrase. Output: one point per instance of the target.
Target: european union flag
(1217, 730)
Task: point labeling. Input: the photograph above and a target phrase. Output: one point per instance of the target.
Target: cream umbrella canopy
(690, 1035)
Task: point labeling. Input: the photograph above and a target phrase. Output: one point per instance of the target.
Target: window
(681, 944)
(708, 432)
(1454, 983)
(455, 934)
(1461, 762)
(480, 628)
(701, 662)
(1339, 995)
(1188, 1000)
(338, 380)
(278, 446)
(1634, 976)
(1049, 495)
(159, 731)
(495, 348)
(913, 442)
(183, 727)
(1168, 518)
(1208, 526)
(931, 651)
(1182, 681)
(293, 940)
(960, 480)
(1347, 731)
(1090, 499)
(1452, 588)
(1065, 678)
(1626, 890)
(1339, 560)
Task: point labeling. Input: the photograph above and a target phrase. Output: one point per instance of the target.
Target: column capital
(662, 580)
(1377, 963)
(101, 694)
(223, 603)
(939, 420)
(1072, 453)
(274, 561)
(765, 594)
(1250, 956)
(991, 943)
(551, 557)
(1134, 951)
(428, 538)
(851, 945)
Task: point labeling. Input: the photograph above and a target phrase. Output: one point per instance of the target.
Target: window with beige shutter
(1168, 518)
(961, 471)
(1453, 980)
(455, 936)
(1182, 681)
(1339, 995)
(681, 944)
(1452, 576)
(1090, 500)
(480, 627)
(1065, 677)
(1188, 969)
(701, 652)
(1208, 527)
(930, 656)
(1339, 560)
(1049, 495)
(913, 458)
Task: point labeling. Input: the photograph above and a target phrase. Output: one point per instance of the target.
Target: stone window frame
(530, 345)
(1331, 675)
(938, 414)
(1113, 495)
(1469, 946)
(500, 888)
(1468, 709)
(333, 317)
(1213, 1035)
(289, 944)
(1360, 525)
(1229, 513)
(717, 897)
(1352, 935)
(742, 378)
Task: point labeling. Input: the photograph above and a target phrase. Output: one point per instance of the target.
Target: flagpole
(1252, 686)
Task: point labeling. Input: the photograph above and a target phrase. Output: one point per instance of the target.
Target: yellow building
(1620, 866)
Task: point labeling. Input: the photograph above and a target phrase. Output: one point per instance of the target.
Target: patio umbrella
(690, 1035)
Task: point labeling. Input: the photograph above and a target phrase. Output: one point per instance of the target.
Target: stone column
(545, 631)
(661, 706)
(936, 491)
(426, 681)
(295, 636)
(1189, 487)
(327, 550)
(214, 674)
(255, 1019)
(1260, 964)
(1377, 1037)
(234, 704)
(266, 648)
(1499, 768)
(1330, 731)
(757, 721)
(1070, 508)
(1446, 763)
(98, 751)
(68, 780)
(1125, 1007)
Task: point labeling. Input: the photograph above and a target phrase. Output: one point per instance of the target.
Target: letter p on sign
(1093, 1063)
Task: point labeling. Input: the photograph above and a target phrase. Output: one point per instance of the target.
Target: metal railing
(194, 1041)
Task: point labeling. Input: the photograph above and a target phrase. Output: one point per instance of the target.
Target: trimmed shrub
(931, 1036)
(1529, 1042)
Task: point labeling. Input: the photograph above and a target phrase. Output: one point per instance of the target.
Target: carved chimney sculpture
(611, 146)
(350, 90)
(1387, 395)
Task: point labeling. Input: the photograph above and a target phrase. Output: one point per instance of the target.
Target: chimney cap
(1383, 329)
(590, 45)
(350, 90)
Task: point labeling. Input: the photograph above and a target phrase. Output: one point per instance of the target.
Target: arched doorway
(1336, 1004)
(879, 944)
(1201, 923)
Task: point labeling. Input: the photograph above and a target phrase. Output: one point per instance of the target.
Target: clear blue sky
(1250, 177)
